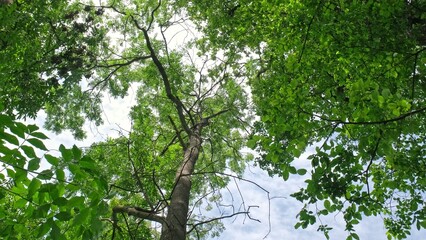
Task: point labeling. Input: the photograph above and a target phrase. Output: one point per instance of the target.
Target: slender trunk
(177, 215)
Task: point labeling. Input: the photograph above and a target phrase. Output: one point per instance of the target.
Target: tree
(189, 123)
(347, 77)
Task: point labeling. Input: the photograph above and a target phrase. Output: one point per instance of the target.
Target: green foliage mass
(45, 52)
(40, 201)
(347, 77)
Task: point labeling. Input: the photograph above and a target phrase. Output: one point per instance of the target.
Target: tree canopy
(345, 77)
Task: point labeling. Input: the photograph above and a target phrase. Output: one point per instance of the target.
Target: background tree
(347, 77)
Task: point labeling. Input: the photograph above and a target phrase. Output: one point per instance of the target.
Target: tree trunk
(177, 214)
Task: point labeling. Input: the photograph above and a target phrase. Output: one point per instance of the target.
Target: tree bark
(174, 227)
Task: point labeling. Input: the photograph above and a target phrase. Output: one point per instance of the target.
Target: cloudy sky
(283, 208)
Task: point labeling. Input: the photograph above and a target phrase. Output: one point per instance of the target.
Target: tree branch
(216, 114)
(182, 143)
(139, 213)
(401, 117)
(178, 104)
(247, 213)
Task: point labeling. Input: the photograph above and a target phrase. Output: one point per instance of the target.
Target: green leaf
(51, 159)
(285, 175)
(34, 164)
(29, 151)
(42, 211)
(76, 201)
(48, 187)
(32, 127)
(251, 143)
(60, 175)
(55, 233)
(76, 152)
(327, 205)
(87, 165)
(67, 154)
(301, 171)
(45, 174)
(18, 129)
(33, 187)
(81, 217)
(39, 135)
(422, 224)
(61, 201)
(20, 203)
(37, 143)
(9, 138)
(43, 229)
(5, 120)
(10, 173)
(63, 216)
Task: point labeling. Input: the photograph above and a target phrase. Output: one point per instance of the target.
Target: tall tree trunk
(177, 215)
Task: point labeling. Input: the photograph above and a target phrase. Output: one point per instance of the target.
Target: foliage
(60, 200)
(44, 54)
(347, 77)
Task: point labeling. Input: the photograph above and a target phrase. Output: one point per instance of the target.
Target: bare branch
(247, 213)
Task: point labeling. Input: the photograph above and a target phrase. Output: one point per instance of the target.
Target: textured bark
(177, 214)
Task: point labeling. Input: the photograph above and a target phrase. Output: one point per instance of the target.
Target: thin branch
(414, 74)
(164, 199)
(178, 104)
(167, 146)
(401, 117)
(138, 179)
(152, 15)
(233, 176)
(139, 213)
(124, 63)
(121, 188)
(194, 226)
(128, 226)
(373, 155)
(307, 34)
(19, 195)
(216, 114)
(182, 143)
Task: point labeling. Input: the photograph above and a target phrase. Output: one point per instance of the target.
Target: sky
(280, 211)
